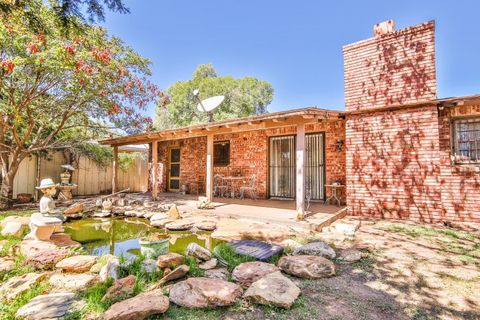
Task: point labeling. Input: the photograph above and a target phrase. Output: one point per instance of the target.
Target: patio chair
(219, 186)
(197, 186)
(250, 188)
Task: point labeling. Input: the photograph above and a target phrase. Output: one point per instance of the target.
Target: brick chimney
(393, 67)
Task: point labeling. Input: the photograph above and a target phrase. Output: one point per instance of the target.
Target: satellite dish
(210, 104)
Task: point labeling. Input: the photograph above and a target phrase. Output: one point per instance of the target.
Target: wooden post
(209, 184)
(154, 170)
(115, 169)
(300, 173)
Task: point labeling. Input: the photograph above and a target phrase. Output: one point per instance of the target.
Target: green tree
(243, 97)
(58, 87)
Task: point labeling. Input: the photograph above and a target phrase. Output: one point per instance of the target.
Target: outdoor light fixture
(339, 145)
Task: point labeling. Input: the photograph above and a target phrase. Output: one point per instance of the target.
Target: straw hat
(46, 183)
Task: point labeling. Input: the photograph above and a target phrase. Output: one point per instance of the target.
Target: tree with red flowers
(56, 86)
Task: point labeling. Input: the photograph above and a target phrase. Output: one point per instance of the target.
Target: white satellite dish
(209, 104)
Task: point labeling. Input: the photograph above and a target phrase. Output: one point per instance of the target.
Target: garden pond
(120, 236)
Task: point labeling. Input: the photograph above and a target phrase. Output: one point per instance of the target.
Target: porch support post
(209, 175)
(115, 169)
(154, 170)
(300, 174)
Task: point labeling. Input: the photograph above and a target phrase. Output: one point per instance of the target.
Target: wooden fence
(91, 178)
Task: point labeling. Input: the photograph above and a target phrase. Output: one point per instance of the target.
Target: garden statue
(65, 186)
(49, 219)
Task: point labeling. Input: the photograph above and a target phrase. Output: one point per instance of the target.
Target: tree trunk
(6, 190)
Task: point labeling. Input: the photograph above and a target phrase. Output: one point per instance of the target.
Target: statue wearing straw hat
(47, 205)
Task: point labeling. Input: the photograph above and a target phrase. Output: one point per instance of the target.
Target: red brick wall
(460, 183)
(249, 154)
(396, 68)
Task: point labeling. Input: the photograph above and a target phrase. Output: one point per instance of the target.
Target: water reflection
(120, 236)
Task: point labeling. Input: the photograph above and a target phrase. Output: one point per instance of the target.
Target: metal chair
(219, 187)
(250, 188)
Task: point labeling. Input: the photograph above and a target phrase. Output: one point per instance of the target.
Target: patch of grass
(19, 269)
(8, 310)
(93, 297)
(194, 270)
(416, 231)
(9, 242)
(22, 213)
(175, 312)
(137, 269)
(233, 259)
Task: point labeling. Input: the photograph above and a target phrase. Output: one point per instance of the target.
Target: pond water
(119, 236)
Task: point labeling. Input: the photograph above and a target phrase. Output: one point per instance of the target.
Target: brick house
(400, 151)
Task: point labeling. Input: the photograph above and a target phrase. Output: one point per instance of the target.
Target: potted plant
(154, 245)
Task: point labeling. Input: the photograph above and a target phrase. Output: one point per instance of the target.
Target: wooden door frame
(169, 150)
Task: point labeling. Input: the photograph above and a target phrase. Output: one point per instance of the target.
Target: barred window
(221, 153)
(467, 140)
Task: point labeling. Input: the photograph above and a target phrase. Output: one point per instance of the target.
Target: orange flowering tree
(54, 85)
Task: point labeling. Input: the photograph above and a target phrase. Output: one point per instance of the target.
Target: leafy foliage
(243, 97)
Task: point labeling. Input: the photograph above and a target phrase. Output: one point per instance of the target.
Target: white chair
(249, 188)
(219, 187)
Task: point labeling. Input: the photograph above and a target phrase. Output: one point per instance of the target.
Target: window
(467, 140)
(221, 153)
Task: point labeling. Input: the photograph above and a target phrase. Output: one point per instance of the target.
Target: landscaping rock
(72, 281)
(110, 269)
(134, 213)
(351, 255)
(273, 289)
(248, 272)
(74, 209)
(138, 307)
(25, 221)
(170, 260)
(120, 289)
(218, 273)
(46, 259)
(158, 216)
(207, 265)
(13, 228)
(161, 223)
(79, 264)
(196, 251)
(173, 212)
(206, 225)
(204, 293)
(64, 240)
(149, 266)
(317, 248)
(19, 284)
(6, 264)
(291, 244)
(180, 225)
(30, 248)
(310, 267)
(148, 215)
(50, 306)
(177, 273)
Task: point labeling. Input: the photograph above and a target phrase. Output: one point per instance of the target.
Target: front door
(315, 166)
(282, 167)
(174, 169)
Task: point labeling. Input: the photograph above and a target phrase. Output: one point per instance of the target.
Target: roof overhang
(258, 122)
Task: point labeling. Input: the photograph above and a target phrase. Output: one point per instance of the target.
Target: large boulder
(310, 267)
(120, 289)
(79, 264)
(204, 293)
(170, 260)
(273, 289)
(198, 252)
(50, 306)
(248, 272)
(139, 307)
(317, 248)
(19, 284)
(46, 259)
(72, 282)
(13, 228)
(30, 248)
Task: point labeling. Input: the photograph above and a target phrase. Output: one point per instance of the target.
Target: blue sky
(295, 45)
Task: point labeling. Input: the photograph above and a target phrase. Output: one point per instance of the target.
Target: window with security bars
(467, 140)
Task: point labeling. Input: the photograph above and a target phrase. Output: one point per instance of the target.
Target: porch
(295, 154)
